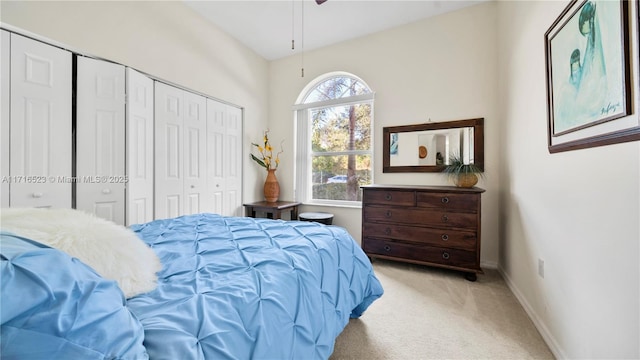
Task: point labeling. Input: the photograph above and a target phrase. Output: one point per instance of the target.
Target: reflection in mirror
(428, 147)
(431, 147)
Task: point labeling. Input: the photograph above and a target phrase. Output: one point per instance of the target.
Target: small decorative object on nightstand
(270, 162)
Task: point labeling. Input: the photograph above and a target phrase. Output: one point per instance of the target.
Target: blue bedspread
(244, 288)
(55, 307)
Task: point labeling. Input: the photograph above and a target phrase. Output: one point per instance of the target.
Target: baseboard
(489, 265)
(537, 322)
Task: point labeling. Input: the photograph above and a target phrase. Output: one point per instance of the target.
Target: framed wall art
(588, 76)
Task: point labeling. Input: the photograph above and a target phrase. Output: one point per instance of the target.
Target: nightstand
(272, 209)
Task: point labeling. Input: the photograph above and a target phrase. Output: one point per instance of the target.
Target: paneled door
(100, 139)
(139, 138)
(195, 126)
(40, 122)
(169, 153)
(234, 162)
(180, 163)
(216, 184)
(224, 158)
(5, 57)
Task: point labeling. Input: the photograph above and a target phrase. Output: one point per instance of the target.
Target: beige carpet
(429, 313)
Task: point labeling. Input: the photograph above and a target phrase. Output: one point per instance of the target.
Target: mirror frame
(478, 142)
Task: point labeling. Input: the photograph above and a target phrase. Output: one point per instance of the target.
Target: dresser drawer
(419, 217)
(464, 240)
(448, 201)
(421, 253)
(390, 197)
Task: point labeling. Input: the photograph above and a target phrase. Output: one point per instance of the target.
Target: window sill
(324, 204)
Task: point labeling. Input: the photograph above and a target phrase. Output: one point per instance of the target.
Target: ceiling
(268, 26)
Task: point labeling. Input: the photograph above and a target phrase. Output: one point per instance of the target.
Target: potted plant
(462, 175)
(266, 160)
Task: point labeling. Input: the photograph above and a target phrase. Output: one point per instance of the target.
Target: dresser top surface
(424, 188)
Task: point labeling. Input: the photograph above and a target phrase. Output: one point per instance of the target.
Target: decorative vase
(271, 187)
(466, 180)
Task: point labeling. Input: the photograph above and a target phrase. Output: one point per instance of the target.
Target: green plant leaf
(260, 162)
(457, 166)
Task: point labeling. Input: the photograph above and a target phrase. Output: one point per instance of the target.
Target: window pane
(331, 128)
(333, 181)
(336, 88)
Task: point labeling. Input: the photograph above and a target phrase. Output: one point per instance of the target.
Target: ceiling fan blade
(320, 2)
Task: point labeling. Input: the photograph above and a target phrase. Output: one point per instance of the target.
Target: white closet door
(195, 125)
(216, 184)
(169, 166)
(100, 145)
(224, 158)
(40, 147)
(5, 52)
(233, 163)
(139, 158)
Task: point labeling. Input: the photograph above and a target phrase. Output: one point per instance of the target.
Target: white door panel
(224, 158)
(215, 155)
(195, 126)
(5, 68)
(100, 134)
(233, 158)
(169, 127)
(139, 138)
(40, 123)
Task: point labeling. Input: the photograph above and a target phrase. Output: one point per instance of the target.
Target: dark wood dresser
(429, 225)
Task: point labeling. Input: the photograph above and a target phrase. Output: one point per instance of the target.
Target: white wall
(579, 211)
(443, 68)
(165, 39)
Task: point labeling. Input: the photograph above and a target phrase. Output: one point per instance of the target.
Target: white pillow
(113, 251)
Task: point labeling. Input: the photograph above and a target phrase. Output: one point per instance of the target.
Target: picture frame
(589, 77)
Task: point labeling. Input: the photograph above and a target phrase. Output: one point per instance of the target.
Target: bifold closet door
(40, 148)
(195, 173)
(5, 71)
(234, 161)
(139, 158)
(180, 174)
(100, 139)
(224, 158)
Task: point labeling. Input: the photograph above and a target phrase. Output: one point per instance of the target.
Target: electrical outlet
(541, 268)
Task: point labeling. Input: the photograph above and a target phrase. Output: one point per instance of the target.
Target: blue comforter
(55, 307)
(244, 288)
(230, 288)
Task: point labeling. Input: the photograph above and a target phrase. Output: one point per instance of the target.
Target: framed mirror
(427, 147)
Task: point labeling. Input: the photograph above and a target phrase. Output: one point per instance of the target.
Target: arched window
(334, 150)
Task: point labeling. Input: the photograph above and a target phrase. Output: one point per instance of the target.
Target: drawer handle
(445, 237)
(387, 248)
(387, 231)
(445, 255)
(388, 197)
(388, 214)
(445, 218)
(445, 200)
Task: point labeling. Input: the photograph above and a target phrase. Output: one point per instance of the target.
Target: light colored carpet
(430, 313)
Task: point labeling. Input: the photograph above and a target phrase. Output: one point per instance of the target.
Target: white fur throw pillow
(113, 251)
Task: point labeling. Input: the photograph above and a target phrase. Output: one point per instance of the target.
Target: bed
(227, 288)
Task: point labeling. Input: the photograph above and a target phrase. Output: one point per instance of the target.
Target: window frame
(302, 167)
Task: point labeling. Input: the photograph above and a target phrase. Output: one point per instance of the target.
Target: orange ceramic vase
(271, 187)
